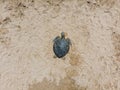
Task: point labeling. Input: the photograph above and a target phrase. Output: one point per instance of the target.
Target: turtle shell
(61, 47)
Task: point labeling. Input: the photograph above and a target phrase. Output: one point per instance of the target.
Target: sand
(27, 30)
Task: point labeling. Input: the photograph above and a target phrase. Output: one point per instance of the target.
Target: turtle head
(62, 35)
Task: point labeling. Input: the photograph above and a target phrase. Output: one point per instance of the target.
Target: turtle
(61, 45)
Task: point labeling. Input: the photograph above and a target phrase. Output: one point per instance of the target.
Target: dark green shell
(61, 47)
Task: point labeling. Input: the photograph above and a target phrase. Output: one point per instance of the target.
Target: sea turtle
(61, 45)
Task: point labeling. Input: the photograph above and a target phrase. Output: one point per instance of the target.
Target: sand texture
(27, 30)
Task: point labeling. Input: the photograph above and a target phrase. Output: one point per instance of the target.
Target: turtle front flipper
(58, 37)
(69, 41)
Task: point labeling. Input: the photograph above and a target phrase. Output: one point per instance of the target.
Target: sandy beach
(27, 30)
